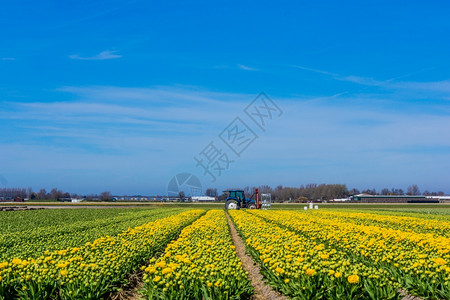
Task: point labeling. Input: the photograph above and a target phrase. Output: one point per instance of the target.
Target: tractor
(236, 200)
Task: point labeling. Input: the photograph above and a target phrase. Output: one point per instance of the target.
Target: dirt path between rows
(407, 296)
(262, 290)
(130, 290)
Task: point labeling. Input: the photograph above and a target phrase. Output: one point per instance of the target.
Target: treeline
(305, 193)
(313, 192)
(11, 193)
(53, 194)
(280, 193)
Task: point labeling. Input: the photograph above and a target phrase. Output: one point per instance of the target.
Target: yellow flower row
(379, 244)
(414, 259)
(32, 241)
(89, 271)
(305, 269)
(201, 263)
(405, 223)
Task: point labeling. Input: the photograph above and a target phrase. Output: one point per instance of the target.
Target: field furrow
(200, 264)
(182, 253)
(416, 262)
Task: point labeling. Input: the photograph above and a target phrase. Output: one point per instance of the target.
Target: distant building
(146, 198)
(203, 199)
(341, 199)
(442, 199)
(364, 198)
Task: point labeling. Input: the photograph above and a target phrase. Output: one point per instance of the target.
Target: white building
(203, 199)
(75, 200)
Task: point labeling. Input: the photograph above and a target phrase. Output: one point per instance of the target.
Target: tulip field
(345, 255)
(186, 253)
(92, 269)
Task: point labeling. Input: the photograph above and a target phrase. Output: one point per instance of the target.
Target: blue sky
(122, 95)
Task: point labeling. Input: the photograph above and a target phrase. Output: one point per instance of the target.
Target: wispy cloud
(104, 55)
(442, 86)
(361, 80)
(177, 109)
(233, 67)
(314, 70)
(8, 58)
(156, 94)
(435, 86)
(393, 84)
(103, 129)
(246, 68)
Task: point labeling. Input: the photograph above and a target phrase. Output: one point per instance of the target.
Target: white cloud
(246, 68)
(104, 55)
(156, 110)
(156, 94)
(108, 128)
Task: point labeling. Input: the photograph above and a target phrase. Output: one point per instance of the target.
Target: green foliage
(94, 268)
(83, 225)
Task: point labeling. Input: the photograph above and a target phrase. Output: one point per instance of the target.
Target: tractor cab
(236, 200)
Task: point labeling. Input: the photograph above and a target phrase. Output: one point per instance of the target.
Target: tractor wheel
(231, 204)
(251, 206)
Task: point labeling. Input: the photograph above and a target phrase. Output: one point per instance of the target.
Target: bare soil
(130, 290)
(262, 290)
(16, 208)
(406, 296)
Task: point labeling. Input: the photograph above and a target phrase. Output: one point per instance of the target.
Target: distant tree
(354, 191)
(42, 194)
(56, 194)
(211, 192)
(385, 191)
(248, 191)
(369, 191)
(265, 189)
(309, 192)
(427, 193)
(301, 200)
(394, 191)
(333, 191)
(222, 197)
(106, 196)
(13, 192)
(413, 190)
(181, 194)
(311, 185)
(440, 193)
